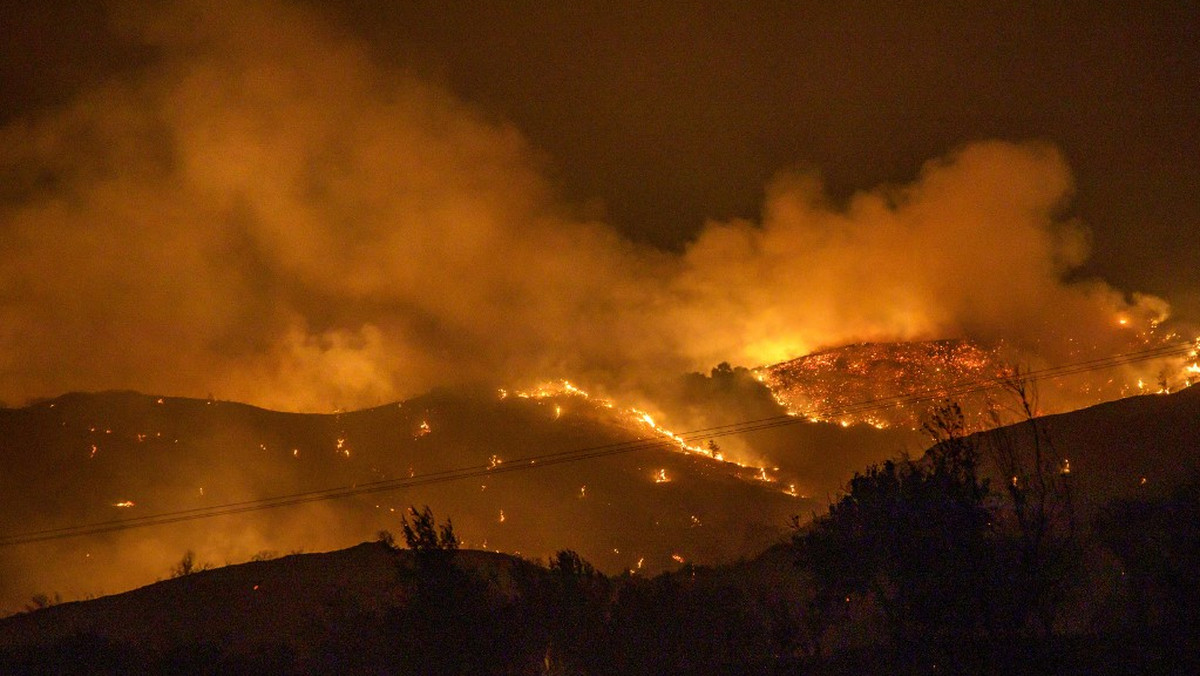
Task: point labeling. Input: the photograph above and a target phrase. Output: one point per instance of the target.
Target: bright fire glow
(833, 385)
(631, 416)
(422, 430)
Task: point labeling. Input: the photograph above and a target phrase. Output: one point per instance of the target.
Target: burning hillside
(894, 384)
(874, 382)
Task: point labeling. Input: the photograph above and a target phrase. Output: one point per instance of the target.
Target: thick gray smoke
(268, 215)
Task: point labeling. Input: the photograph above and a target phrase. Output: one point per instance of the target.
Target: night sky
(354, 202)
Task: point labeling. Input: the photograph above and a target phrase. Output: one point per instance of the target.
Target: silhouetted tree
(1039, 517)
(386, 538)
(911, 537)
(423, 535)
(453, 621)
(39, 601)
(187, 565)
(575, 602)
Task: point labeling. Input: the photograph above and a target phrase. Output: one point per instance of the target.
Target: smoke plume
(267, 214)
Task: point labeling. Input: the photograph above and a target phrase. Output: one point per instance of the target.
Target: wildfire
(631, 416)
(836, 381)
(846, 385)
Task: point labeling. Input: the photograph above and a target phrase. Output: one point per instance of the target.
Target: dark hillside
(1124, 448)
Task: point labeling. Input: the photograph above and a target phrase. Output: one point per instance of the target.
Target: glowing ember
(661, 477)
(123, 504)
(422, 430)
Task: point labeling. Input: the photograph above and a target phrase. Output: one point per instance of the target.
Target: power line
(576, 455)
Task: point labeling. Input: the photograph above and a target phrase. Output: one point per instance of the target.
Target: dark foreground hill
(375, 609)
(1120, 449)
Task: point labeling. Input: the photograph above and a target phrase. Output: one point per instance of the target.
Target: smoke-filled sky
(310, 205)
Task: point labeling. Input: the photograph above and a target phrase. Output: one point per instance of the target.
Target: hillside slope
(95, 458)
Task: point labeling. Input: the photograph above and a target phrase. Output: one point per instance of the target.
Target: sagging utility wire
(591, 452)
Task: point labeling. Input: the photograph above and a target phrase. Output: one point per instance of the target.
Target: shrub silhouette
(910, 538)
